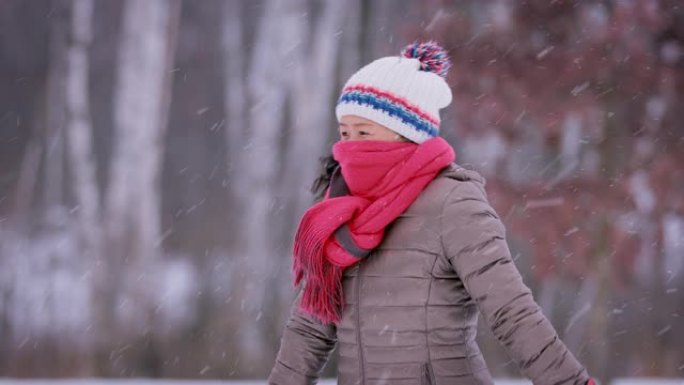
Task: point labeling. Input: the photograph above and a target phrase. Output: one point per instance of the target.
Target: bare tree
(79, 127)
(79, 135)
(141, 102)
(55, 117)
(313, 86)
(277, 45)
(234, 57)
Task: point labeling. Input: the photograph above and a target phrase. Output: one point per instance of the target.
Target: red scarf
(379, 181)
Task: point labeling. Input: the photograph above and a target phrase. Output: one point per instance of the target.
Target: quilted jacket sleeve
(473, 238)
(304, 349)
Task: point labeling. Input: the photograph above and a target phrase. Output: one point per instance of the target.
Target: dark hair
(321, 183)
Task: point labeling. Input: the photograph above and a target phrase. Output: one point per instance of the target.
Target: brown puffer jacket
(411, 307)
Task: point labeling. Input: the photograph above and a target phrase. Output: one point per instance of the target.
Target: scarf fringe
(322, 295)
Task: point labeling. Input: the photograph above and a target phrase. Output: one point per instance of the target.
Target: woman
(404, 250)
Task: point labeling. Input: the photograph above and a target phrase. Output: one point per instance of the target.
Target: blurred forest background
(156, 155)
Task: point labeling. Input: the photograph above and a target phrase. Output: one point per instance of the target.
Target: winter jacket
(411, 307)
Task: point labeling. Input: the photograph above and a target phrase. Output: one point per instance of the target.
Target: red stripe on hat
(394, 99)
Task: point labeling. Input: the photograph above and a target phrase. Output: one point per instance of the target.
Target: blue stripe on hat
(392, 109)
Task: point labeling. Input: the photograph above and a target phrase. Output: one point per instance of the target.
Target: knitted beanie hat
(403, 93)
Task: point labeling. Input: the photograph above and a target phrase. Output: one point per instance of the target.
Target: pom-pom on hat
(403, 93)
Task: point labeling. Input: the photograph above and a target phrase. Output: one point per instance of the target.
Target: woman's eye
(364, 133)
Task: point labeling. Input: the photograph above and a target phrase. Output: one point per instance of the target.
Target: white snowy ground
(8, 381)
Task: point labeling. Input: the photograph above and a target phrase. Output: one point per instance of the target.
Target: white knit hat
(403, 93)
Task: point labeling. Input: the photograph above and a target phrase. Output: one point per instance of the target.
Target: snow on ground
(647, 381)
(9, 381)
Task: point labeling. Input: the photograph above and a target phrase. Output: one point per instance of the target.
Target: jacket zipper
(357, 290)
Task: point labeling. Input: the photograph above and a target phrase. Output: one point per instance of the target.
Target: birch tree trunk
(235, 109)
(278, 40)
(141, 102)
(55, 107)
(235, 60)
(234, 48)
(313, 86)
(79, 127)
(80, 141)
(355, 23)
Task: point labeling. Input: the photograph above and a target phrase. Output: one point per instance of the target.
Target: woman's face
(354, 127)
